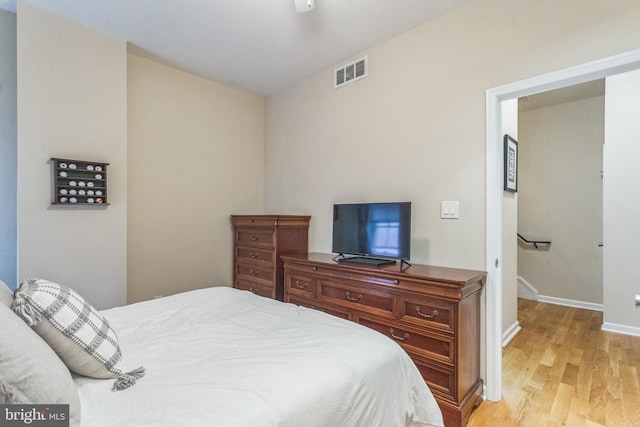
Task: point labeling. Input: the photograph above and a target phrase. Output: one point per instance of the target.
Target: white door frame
(493, 307)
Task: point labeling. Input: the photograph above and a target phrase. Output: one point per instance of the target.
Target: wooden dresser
(432, 312)
(259, 240)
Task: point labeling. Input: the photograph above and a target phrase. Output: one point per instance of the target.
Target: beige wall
(621, 202)
(72, 103)
(414, 128)
(560, 199)
(195, 157)
(8, 149)
(194, 150)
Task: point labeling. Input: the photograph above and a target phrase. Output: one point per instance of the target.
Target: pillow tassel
(25, 310)
(128, 379)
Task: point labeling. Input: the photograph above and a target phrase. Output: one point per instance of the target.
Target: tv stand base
(366, 261)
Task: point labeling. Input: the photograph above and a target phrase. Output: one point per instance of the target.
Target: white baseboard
(620, 329)
(527, 291)
(511, 332)
(571, 303)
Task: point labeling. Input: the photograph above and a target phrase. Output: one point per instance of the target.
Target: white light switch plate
(450, 210)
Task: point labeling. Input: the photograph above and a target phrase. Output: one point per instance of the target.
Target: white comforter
(222, 357)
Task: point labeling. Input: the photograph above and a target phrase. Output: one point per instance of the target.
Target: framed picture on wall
(510, 164)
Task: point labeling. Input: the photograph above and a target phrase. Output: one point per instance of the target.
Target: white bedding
(223, 357)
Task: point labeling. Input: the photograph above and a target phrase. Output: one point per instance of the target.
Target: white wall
(621, 202)
(195, 157)
(72, 103)
(560, 199)
(8, 150)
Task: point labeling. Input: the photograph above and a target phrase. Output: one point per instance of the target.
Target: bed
(224, 357)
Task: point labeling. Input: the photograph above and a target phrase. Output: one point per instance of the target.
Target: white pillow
(76, 331)
(30, 372)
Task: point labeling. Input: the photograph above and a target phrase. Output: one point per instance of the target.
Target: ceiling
(261, 46)
(563, 95)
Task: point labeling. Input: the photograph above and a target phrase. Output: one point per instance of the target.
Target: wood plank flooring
(562, 370)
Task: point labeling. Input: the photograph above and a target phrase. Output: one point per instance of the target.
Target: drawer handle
(254, 272)
(302, 285)
(253, 291)
(254, 238)
(254, 254)
(404, 338)
(350, 298)
(425, 315)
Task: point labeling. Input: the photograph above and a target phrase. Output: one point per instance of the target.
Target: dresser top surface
(270, 216)
(423, 272)
(293, 221)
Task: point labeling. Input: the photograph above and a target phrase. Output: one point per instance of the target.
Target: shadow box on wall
(79, 182)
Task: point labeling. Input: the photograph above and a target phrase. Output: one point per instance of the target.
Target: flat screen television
(374, 233)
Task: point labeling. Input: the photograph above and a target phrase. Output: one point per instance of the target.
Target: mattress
(223, 357)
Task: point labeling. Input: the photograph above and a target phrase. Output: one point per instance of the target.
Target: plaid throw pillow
(74, 329)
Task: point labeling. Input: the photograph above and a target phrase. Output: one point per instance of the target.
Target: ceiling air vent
(350, 72)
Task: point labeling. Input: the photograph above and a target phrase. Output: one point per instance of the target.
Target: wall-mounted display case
(79, 182)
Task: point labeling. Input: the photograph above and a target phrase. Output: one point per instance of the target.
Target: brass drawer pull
(254, 238)
(254, 254)
(253, 291)
(404, 338)
(425, 315)
(301, 285)
(254, 272)
(350, 298)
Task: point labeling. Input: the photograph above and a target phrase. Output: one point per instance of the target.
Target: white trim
(568, 77)
(621, 329)
(528, 288)
(508, 335)
(493, 252)
(571, 303)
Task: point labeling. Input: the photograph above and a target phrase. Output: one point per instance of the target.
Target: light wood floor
(562, 370)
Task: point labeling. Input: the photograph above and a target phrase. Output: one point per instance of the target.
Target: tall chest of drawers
(432, 312)
(259, 241)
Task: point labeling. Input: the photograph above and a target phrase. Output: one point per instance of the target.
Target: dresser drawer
(256, 288)
(254, 273)
(260, 255)
(441, 379)
(303, 268)
(414, 340)
(300, 285)
(316, 305)
(240, 221)
(433, 313)
(255, 238)
(359, 298)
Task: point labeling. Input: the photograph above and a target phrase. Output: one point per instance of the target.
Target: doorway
(495, 98)
(559, 199)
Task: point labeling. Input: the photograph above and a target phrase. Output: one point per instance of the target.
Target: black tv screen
(377, 230)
